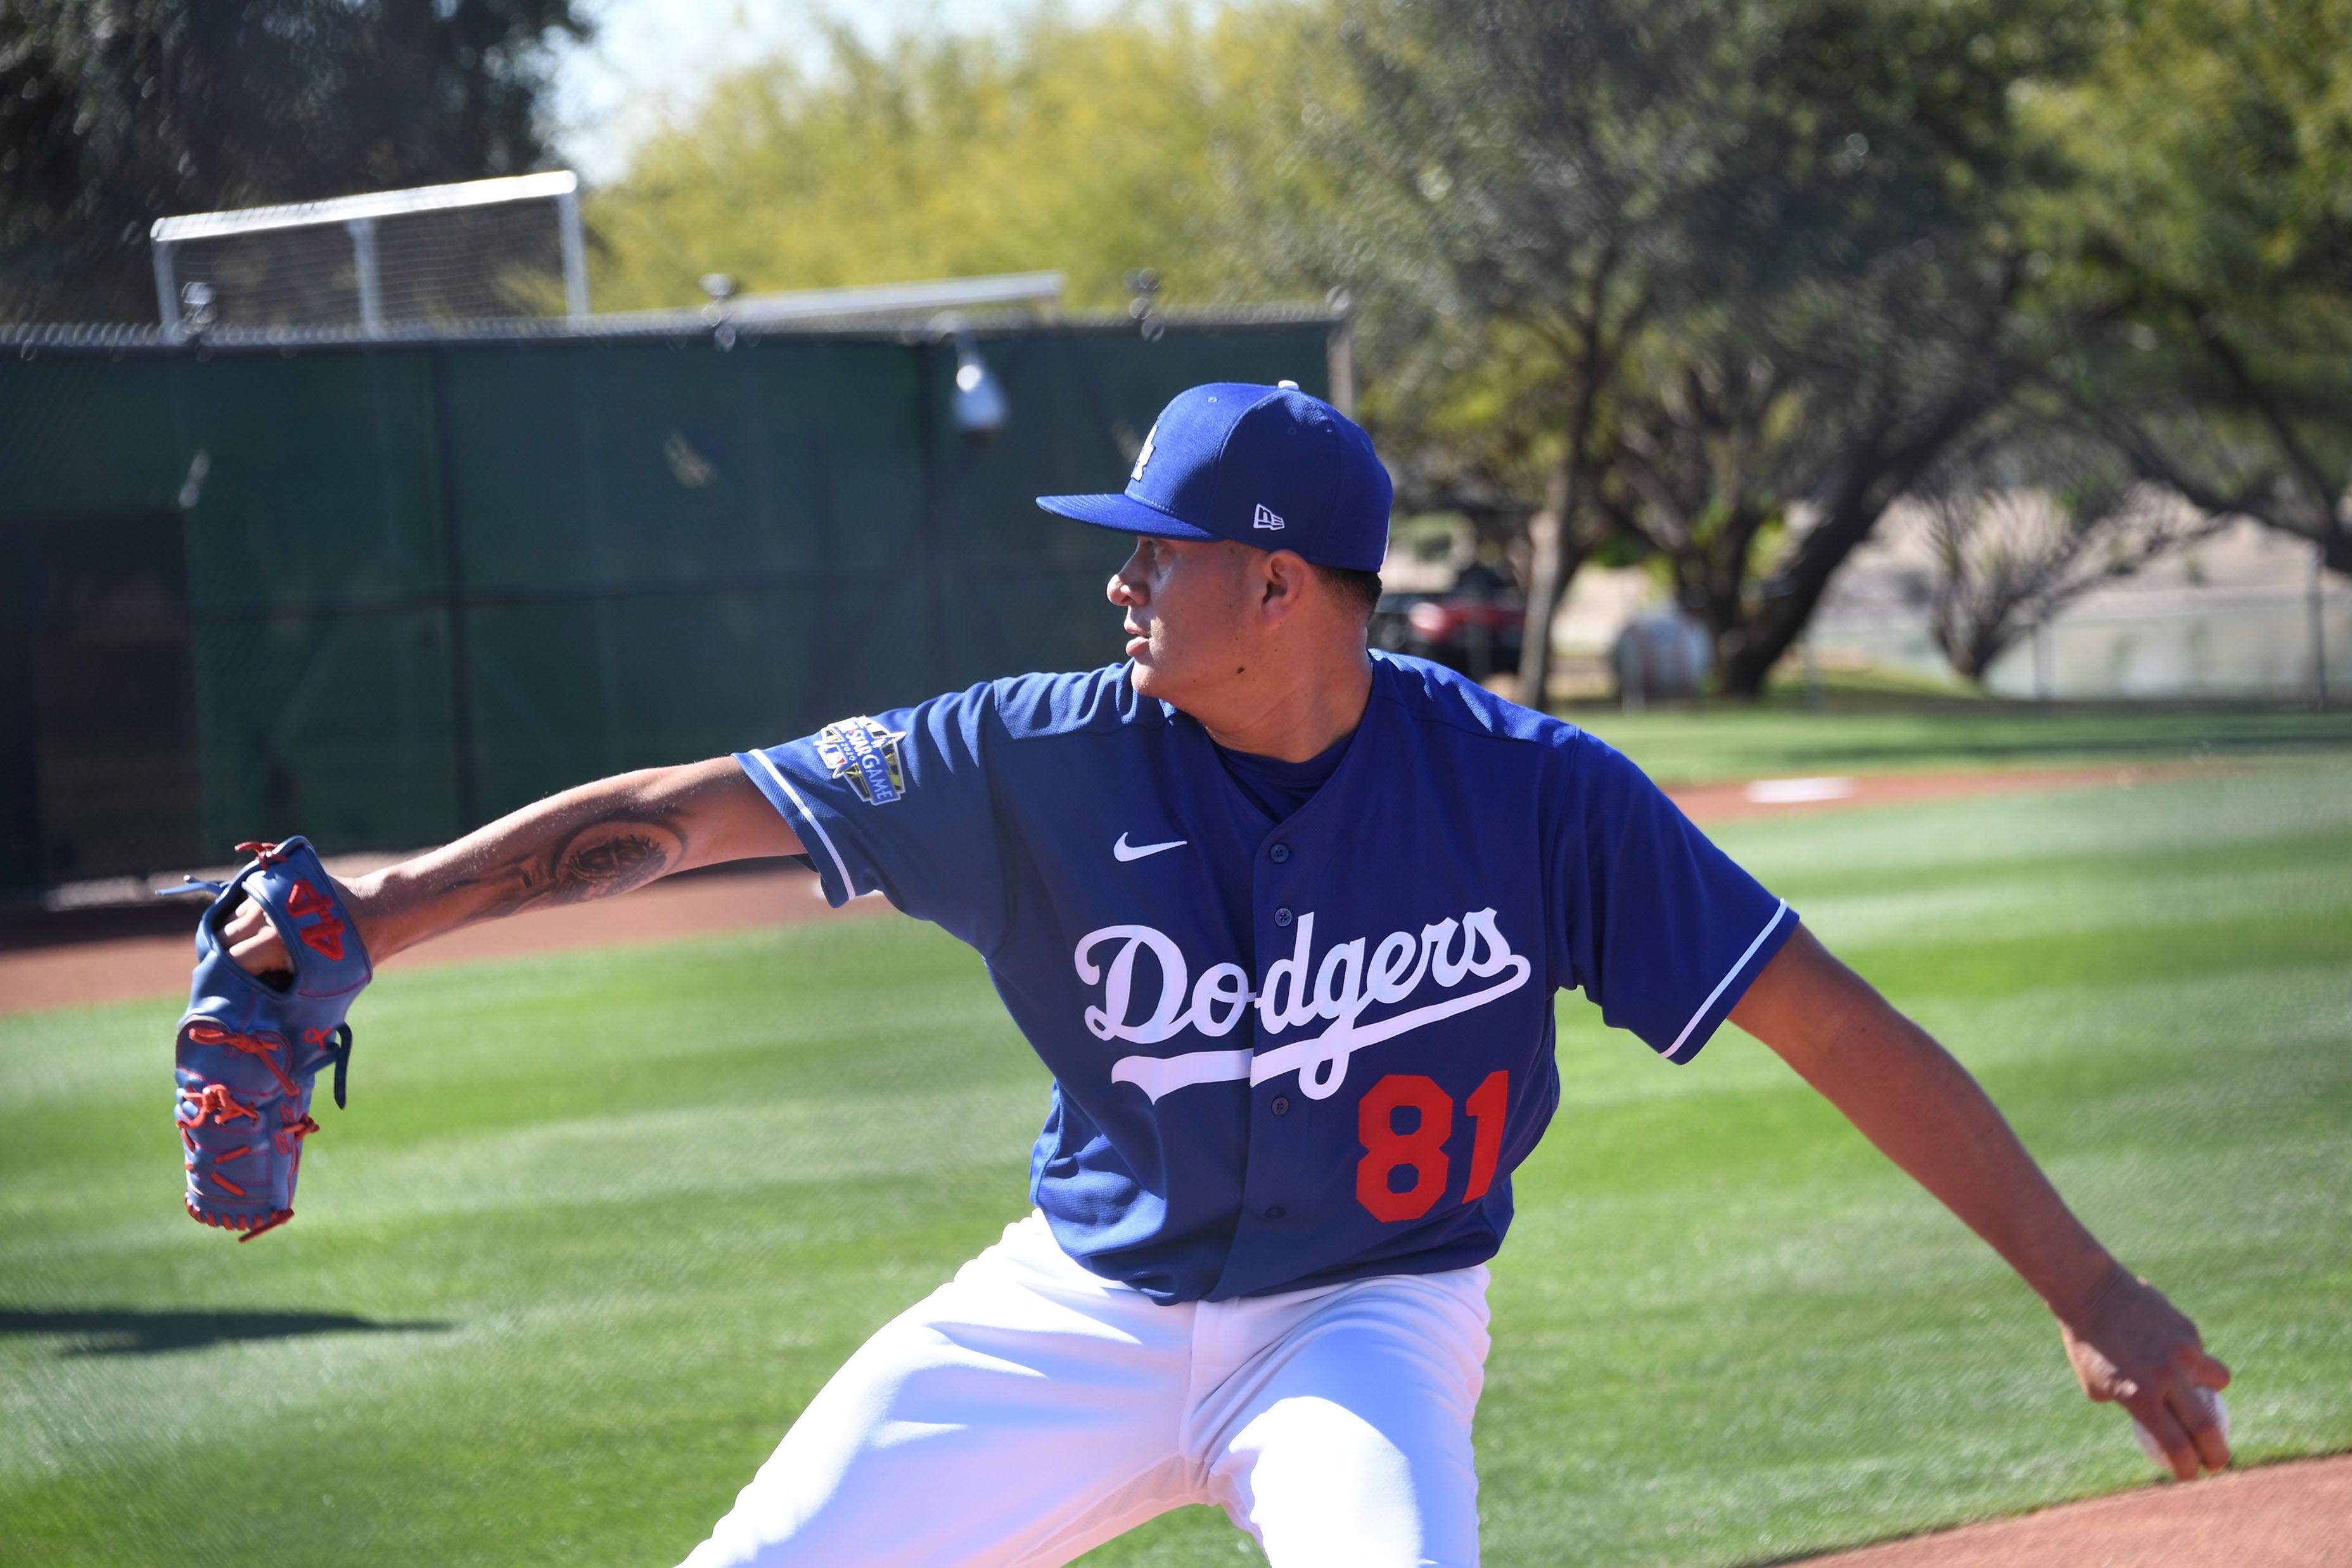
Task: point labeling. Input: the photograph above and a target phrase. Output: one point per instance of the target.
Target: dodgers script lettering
(1335, 987)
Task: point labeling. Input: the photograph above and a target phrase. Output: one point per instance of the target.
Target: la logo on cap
(1265, 519)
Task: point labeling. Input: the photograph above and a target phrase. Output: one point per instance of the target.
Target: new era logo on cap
(1270, 468)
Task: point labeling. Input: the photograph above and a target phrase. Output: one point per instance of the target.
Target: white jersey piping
(848, 888)
(1769, 926)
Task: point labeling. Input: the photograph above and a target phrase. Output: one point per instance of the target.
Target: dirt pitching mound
(2296, 1515)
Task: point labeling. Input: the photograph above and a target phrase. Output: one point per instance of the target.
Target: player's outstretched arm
(1907, 1095)
(590, 843)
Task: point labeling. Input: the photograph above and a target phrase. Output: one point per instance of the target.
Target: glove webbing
(217, 1103)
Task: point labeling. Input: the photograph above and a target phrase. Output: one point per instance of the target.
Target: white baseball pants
(1029, 1411)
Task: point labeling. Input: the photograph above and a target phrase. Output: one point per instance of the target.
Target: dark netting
(381, 595)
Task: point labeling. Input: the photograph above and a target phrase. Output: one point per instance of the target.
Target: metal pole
(2318, 626)
(1339, 353)
(2041, 661)
(167, 289)
(575, 258)
(363, 232)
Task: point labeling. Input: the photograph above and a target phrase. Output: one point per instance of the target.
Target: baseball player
(1285, 920)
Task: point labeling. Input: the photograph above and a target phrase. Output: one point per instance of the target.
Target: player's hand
(253, 941)
(2131, 1346)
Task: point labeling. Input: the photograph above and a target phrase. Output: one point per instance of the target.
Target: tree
(114, 115)
(1093, 149)
(1768, 450)
(1524, 178)
(2026, 519)
(2212, 239)
(1755, 254)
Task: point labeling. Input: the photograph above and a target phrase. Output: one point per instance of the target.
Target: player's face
(1189, 618)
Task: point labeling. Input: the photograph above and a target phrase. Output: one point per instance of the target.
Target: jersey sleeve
(901, 804)
(1660, 928)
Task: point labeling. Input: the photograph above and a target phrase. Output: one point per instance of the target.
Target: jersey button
(1282, 918)
(1279, 854)
(1281, 1106)
(1274, 1212)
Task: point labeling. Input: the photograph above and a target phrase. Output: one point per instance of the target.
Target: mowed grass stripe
(652, 1198)
(1865, 731)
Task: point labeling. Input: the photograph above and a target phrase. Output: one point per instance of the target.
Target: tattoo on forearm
(625, 860)
(613, 853)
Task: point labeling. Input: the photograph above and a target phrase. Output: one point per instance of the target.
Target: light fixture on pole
(720, 288)
(196, 311)
(979, 407)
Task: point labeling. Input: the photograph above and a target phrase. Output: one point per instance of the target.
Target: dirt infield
(121, 968)
(2296, 1515)
(1746, 799)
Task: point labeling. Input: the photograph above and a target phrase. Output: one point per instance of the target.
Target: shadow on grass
(128, 1332)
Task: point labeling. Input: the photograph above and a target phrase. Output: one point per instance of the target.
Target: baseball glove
(250, 1046)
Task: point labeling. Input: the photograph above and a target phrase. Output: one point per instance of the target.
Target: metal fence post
(167, 289)
(575, 257)
(1340, 352)
(362, 233)
(2318, 626)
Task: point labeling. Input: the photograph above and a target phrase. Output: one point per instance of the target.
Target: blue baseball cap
(1265, 466)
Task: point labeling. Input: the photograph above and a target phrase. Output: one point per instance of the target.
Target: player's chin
(1147, 677)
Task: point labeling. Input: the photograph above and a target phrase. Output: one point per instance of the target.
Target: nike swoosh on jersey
(1123, 850)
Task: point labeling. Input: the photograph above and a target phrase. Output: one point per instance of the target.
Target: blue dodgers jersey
(1283, 1055)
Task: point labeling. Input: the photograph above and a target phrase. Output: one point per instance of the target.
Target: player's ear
(1285, 581)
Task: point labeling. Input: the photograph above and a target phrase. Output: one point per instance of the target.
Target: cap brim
(1122, 514)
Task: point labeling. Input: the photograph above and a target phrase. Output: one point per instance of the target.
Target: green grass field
(596, 1225)
(1862, 728)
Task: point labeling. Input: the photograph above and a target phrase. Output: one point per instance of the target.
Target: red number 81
(1423, 1150)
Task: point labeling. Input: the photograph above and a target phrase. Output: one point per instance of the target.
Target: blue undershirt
(1279, 788)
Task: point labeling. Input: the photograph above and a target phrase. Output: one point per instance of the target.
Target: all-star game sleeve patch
(865, 753)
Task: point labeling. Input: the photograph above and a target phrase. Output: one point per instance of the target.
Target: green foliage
(611, 1218)
(2215, 137)
(114, 115)
(2207, 244)
(1093, 149)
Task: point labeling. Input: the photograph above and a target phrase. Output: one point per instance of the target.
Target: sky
(652, 57)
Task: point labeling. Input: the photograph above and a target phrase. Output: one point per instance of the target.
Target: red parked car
(1475, 627)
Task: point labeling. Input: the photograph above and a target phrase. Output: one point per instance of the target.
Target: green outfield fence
(381, 593)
